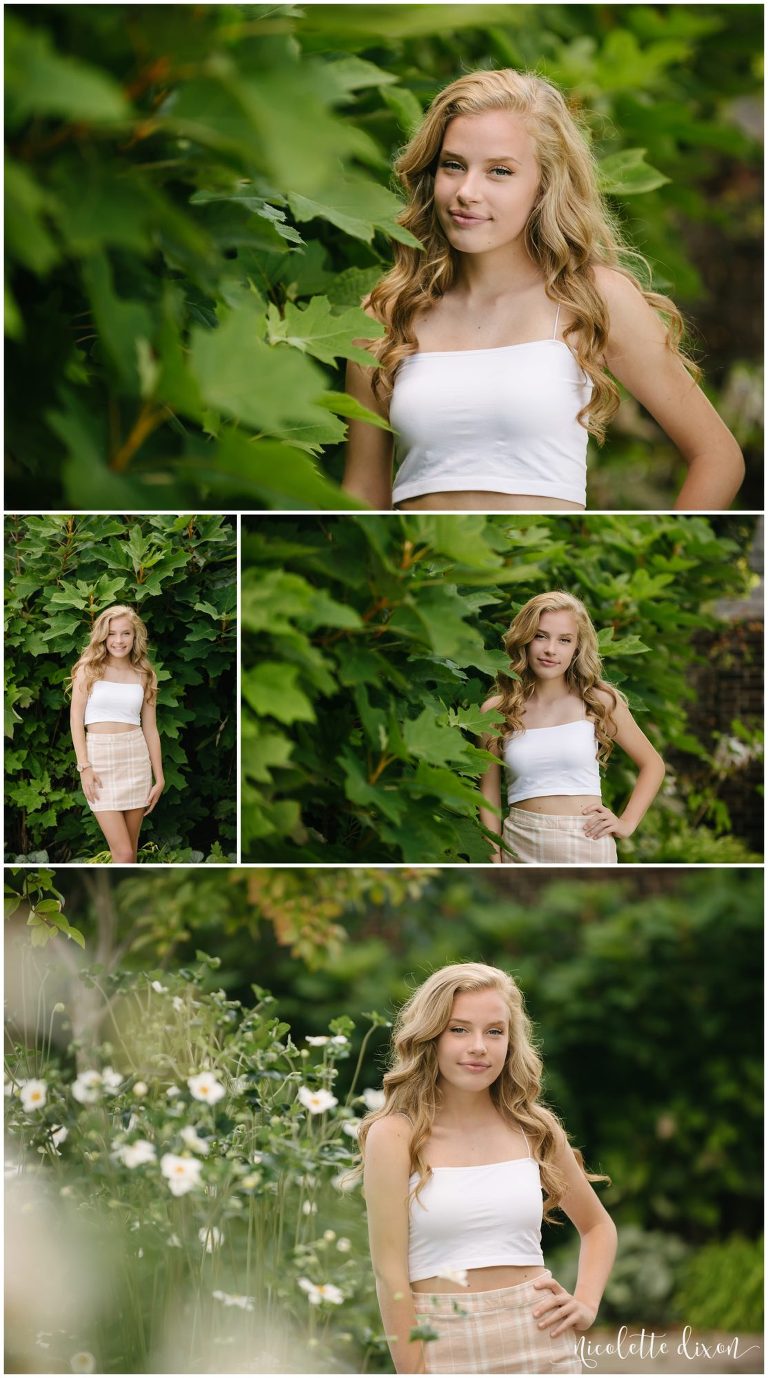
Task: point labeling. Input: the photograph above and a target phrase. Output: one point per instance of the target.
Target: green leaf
(27, 204)
(344, 405)
(42, 82)
(627, 174)
(405, 108)
(270, 689)
(357, 206)
(121, 323)
(243, 377)
(315, 329)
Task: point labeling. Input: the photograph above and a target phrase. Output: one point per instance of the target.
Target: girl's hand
(603, 823)
(91, 784)
(154, 795)
(561, 1309)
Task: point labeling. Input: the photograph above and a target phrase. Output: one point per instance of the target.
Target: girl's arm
(650, 773)
(561, 1309)
(490, 782)
(387, 1169)
(90, 780)
(638, 356)
(368, 468)
(152, 738)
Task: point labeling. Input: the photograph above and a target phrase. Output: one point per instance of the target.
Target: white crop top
(111, 701)
(476, 1217)
(552, 760)
(493, 420)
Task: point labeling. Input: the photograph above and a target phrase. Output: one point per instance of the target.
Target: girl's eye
(507, 171)
(449, 163)
(458, 1028)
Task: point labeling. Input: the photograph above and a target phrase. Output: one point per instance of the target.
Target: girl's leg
(133, 821)
(113, 825)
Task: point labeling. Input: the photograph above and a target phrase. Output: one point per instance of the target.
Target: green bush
(722, 1286)
(179, 573)
(370, 643)
(198, 198)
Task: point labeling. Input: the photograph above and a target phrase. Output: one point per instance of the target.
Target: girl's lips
(465, 221)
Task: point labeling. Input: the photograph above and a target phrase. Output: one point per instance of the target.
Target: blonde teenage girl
(114, 731)
(455, 1168)
(561, 721)
(505, 332)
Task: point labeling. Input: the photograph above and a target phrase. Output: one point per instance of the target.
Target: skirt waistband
(519, 817)
(445, 1303)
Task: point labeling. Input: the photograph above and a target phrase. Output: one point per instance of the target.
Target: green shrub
(721, 1286)
(643, 1280)
(179, 573)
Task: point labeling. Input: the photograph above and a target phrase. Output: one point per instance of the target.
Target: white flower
(140, 1089)
(172, 1091)
(212, 1238)
(174, 1242)
(322, 1292)
(329, 1236)
(352, 1128)
(458, 1275)
(161, 990)
(33, 1094)
(309, 1208)
(137, 1153)
(374, 1100)
(192, 1140)
(251, 1181)
(205, 1087)
(86, 1087)
(343, 1245)
(178, 1003)
(228, 1299)
(339, 1040)
(82, 1362)
(9, 1088)
(258, 1158)
(316, 1102)
(237, 1085)
(59, 1135)
(183, 1173)
(318, 1040)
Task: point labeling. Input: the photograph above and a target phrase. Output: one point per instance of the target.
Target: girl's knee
(121, 855)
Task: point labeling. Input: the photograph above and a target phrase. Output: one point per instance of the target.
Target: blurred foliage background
(645, 992)
(197, 198)
(179, 573)
(370, 642)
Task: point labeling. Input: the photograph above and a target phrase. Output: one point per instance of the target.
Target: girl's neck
(485, 277)
(464, 1110)
(551, 691)
(111, 663)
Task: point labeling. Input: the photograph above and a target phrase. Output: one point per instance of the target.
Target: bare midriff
(562, 804)
(481, 502)
(99, 727)
(483, 1279)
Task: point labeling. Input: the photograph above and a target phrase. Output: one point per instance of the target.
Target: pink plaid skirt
(121, 761)
(493, 1332)
(550, 838)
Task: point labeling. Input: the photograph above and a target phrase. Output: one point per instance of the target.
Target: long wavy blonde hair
(93, 659)
(411, 1086)
(569, 231)
(583, 676)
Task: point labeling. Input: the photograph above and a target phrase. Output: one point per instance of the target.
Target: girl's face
(472, 1050)
(487, 180)
(554, 645)
(120, 637)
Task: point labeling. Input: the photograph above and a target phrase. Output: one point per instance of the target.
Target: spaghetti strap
(527, 1145)
(557, 318)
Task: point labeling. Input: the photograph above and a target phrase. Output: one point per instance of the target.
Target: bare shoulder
(607, 695)
(557, 1130)
(615, 287)
(490, 704)
(78, 678)
(392, 1133)
(628, 310)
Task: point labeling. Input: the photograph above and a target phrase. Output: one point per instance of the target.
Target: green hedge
(179, 574)
(198, 197)
(369, 644)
